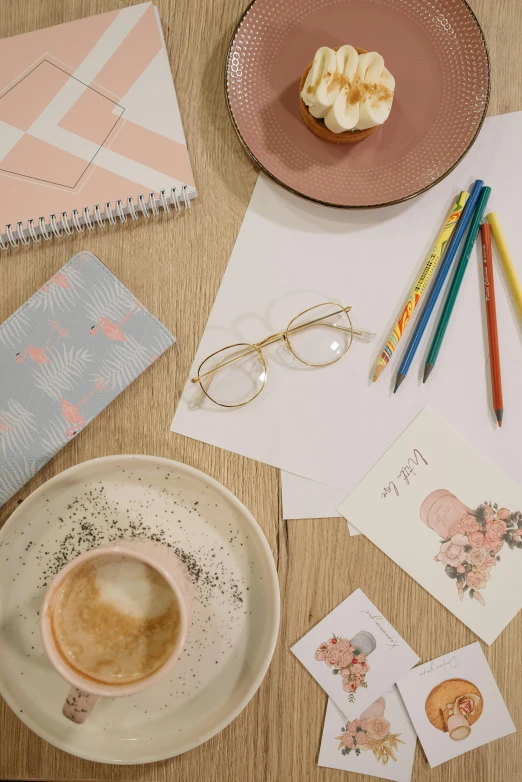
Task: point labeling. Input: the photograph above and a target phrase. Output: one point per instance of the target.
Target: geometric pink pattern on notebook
(92, 116)
(130, 60)
(66, 95)
(153, 150)
(44, 162)
(28, 97)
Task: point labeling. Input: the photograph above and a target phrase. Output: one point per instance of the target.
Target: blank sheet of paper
(332, 424)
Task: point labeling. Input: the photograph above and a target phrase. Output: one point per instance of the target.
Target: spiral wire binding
(95, 218)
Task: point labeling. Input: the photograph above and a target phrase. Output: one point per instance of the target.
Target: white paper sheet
(401, 739)
(332, 424)
(429, 689)
(306, 499)
(448, 517)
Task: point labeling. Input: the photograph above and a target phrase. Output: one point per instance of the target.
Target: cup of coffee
(114, 621)
(458, 727)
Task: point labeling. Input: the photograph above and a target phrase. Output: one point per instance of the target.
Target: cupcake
(345, 94)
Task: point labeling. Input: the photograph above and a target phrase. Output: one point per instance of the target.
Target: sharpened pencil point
(499, 413)
(427, 372)
(379, 369)
(398, 381)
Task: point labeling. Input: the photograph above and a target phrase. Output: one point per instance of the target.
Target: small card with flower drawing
(355, 654)
(380, 742)
(449, 518)
(455, 704)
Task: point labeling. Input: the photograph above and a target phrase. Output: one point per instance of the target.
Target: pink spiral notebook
(90, 130)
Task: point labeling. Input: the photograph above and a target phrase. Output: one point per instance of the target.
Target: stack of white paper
(331, 425)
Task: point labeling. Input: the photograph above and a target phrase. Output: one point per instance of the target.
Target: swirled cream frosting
(349, 91)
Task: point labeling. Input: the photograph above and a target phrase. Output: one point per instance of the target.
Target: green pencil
(454, 287)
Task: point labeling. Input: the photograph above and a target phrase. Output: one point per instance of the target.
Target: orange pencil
(491, 315)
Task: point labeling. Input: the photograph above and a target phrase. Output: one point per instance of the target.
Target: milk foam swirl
(115, 620)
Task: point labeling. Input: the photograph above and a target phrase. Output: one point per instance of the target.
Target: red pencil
(491, 315)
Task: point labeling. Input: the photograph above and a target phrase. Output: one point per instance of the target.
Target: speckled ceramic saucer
(236, 612)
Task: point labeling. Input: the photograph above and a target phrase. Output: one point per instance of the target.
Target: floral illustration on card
(348, 658)
(471, 540)
(453, 706)
(370, 732)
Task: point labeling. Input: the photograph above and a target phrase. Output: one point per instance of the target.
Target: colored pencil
(491, 316)
(442, 272)
(420, 285)
(507, 263)
(453, 290)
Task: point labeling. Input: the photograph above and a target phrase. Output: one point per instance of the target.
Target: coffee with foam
(115, 620)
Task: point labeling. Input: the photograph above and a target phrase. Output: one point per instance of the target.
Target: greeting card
(450, 519)
(380, 742)
(355, 654)
(455, 704)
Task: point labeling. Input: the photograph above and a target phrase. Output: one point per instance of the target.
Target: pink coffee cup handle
(78, 705)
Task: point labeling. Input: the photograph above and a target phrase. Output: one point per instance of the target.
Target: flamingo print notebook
(90, 129)
(64, 355)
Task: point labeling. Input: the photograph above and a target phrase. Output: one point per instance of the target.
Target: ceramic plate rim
(256, 529)
(298, 193)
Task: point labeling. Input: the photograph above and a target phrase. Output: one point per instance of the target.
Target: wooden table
(174, 267)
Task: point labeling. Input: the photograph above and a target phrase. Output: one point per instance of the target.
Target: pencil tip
(499, 413)
(400, 378)
(427, 372)
(379, 369)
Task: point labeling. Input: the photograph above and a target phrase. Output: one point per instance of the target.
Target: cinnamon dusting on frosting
(348, 89)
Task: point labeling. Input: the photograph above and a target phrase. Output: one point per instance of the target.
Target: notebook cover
(88, 114)
(64, 355)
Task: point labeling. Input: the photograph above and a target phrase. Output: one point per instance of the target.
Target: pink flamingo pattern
(40, 354)
(65, 362)
(72, 414)
(113, 330)
(58, 279)
(61, 280)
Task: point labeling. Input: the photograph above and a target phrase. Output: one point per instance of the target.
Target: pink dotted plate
(434, 48)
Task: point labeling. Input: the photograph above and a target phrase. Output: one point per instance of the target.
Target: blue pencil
(438, 282)
(456, 282)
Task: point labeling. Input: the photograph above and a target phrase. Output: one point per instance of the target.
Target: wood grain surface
(174, 266)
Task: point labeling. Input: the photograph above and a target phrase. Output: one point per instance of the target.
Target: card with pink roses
(455, 704)
(450, 518)
(380, 742)
(355, 654)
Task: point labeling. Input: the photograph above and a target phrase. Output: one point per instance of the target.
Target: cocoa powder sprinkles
(90, 521)
(132, 498)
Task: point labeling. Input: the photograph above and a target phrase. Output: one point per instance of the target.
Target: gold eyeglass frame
(272, 339)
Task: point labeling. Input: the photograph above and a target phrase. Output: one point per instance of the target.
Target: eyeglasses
(317, 337)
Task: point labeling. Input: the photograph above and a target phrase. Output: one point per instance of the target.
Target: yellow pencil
(507, 263)
(429, 267)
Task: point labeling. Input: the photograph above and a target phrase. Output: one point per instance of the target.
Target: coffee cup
(114, 621)
(458, 727)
